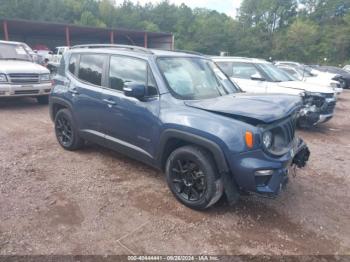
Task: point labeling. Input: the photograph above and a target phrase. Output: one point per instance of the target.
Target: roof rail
(126, 47)
(188, 52)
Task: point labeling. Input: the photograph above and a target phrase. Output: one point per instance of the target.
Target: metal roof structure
(56, 34)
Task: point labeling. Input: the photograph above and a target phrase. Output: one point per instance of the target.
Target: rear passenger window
(126, 69)
(91, 68)
(73, 62)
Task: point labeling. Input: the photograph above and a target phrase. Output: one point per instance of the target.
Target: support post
(173, 42)
(6, 32)
(67, 36)
(146, 40)
(111, 35)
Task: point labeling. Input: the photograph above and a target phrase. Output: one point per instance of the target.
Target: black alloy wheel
(64, 131)
(192, 177)
(189, 180)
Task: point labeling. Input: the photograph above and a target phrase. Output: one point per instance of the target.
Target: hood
(14, 66)
(323, 74)
(309, 87)
(253, 109)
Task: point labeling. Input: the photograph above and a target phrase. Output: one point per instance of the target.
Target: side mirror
(257, 77)
(50, 53)
(134, 90)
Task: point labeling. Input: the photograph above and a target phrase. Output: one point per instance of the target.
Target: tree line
(309, 31)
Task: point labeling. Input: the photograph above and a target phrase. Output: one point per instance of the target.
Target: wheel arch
(173, 139)
(56, 104)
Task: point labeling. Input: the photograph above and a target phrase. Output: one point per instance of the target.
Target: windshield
(13, 52)
(304, 72)
(194, 78)
(275, 74)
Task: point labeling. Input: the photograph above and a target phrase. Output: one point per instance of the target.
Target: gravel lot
(95, 201)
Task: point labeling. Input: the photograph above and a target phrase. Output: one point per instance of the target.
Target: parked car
(345, 75)
(179, 113)
(19, 76)
(260, 76)
(347, 68)
(313, 71)
(305, 76)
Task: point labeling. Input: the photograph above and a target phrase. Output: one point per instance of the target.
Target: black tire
(43, 100)
(192, 177)
(66, 131)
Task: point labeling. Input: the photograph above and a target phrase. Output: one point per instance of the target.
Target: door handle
(109, 102)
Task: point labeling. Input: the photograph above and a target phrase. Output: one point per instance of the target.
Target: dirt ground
(95, 201)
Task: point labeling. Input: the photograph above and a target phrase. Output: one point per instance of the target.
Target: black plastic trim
(193, 139)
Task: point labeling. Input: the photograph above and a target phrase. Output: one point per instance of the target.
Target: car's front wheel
(66, 131)
(192, 177)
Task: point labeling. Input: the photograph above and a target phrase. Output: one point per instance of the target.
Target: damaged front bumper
(312, 115)
(274, 185)
(261, 174)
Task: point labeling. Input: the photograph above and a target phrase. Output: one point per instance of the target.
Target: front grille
(288, 128)
(24, 78)
(283, 136)
(330, 95)
(26, 92)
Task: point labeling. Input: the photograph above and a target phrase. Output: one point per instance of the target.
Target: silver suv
(19, 76)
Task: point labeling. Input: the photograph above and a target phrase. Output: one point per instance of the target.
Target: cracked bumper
(259, 173)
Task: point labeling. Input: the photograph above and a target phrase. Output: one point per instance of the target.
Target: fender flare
(211, 146)
(58, 101)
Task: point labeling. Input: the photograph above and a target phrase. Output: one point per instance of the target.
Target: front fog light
(267, 139)
(264, 173)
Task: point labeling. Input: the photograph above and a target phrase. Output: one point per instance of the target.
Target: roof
(287, 62)
(239, 59)
(50, 28)
(130, 50)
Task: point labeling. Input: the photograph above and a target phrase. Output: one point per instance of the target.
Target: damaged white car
(260, 76)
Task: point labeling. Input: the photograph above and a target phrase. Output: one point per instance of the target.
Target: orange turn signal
(249, 140)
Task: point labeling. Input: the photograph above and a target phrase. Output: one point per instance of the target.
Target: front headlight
(45, 78)
(3, 78)
(267, 139)
(335, 85)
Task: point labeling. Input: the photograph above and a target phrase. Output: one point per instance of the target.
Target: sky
(228, 7)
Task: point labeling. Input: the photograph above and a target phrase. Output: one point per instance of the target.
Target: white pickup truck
(19, 76)
(260, 76)
(55, 58)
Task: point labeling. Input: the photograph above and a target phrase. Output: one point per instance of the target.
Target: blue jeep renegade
(177, 112)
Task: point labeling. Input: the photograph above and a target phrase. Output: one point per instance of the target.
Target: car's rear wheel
(192, 177)
(66, 131)
(43, 100)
